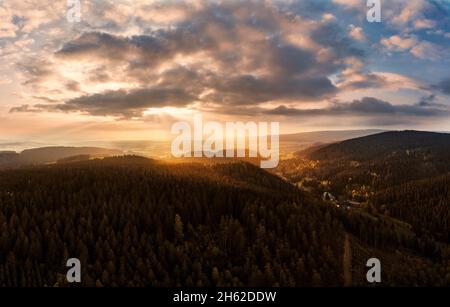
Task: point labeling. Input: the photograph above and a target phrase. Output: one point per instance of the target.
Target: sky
(129, 69)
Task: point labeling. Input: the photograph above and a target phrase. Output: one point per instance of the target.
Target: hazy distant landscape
(48, 155)
(289, 144)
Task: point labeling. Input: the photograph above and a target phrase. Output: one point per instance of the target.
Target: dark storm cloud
(311, 8)
(291, 60)
(444, 86)
(332, 35)
(247, 90)
(367, 106)
(145, 49)
(370, 105)
(124, 103)
(429, 101)
(101, 45)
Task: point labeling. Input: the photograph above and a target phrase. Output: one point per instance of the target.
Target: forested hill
(425, 204)
(386, 144)
(385, 159)
(138, 222)
(402, 174)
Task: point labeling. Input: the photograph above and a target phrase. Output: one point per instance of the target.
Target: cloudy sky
(131, 68)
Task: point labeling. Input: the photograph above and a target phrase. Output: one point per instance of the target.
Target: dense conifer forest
(133, 221)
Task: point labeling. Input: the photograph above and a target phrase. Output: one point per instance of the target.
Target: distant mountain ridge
(405, 174)
(328, 136)
(386, 143)
(381, 161)
(45, 155)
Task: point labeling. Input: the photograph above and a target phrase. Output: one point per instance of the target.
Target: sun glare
(169, 111)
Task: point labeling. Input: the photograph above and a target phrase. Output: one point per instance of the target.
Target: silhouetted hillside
(9, 158)
(138, 222)
(327, 136)
(46, 155)
(385, 159)
(52, 154)
(396, 178)
(386, 144)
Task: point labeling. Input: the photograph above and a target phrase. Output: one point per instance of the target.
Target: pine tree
(179, 234)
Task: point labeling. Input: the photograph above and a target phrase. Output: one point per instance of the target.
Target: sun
(169, 111)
